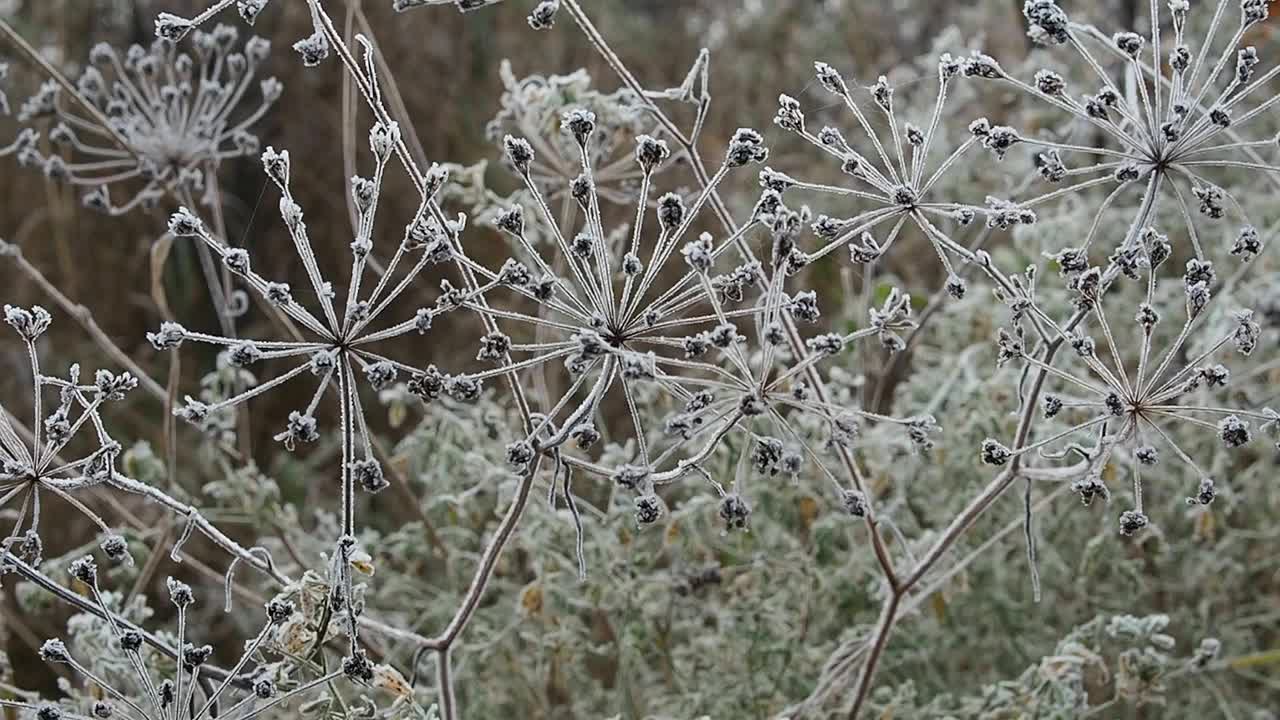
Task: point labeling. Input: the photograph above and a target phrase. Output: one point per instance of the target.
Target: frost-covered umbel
(343, 354)
(648, 308)
(700, 342)
(32, 460)
(258, 682)
(1168, 141)
(179, 110)
(892, 175)
(1168, 121)
(1132, 389)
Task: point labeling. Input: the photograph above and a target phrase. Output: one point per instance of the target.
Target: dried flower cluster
(34, 459)
(171, 116)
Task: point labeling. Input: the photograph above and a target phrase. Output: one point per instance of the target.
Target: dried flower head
(894, 176)
(1130, 396)
(1175, 136)
(343, 352)
(175, 112)
(37, 460)
(197, 688)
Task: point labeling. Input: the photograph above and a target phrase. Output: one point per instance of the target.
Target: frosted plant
(637, 324)
(228, 378)
(610, 317)
(1163, 137)
(173, 27)
(36, 466)
(892, 175)
(343, 352)
(693, 351)
(197, 688)
(531, 108)
(1170, 137)
(1131, 409)
(24, 149)
(178, 114)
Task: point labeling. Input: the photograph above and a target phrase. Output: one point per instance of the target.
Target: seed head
(854, 503)
(54, 651)
(1131, 521)
(993, 453)
(747, 146)
(735, 511)
(1234, 432)
(314, 49)
(519, 153)
(180, 593)
(1129, 43)
(85, 570)
(1049, 24)
(367, 474)
(543, 16)
(1205, 494)
(648, 509)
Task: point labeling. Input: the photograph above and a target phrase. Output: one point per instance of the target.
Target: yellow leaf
(673, 532)
(1109, 473)
(396, 414)
(1206, 526)
(808, 511)
(531, 599)
(388, 678)
(362, 562)
(939, 603)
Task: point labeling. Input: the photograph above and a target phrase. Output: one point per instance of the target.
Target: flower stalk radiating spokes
(895, 178)
(346, 346)
(633, 323)
(35, 467)
(1129, 400)
(1178, 130)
